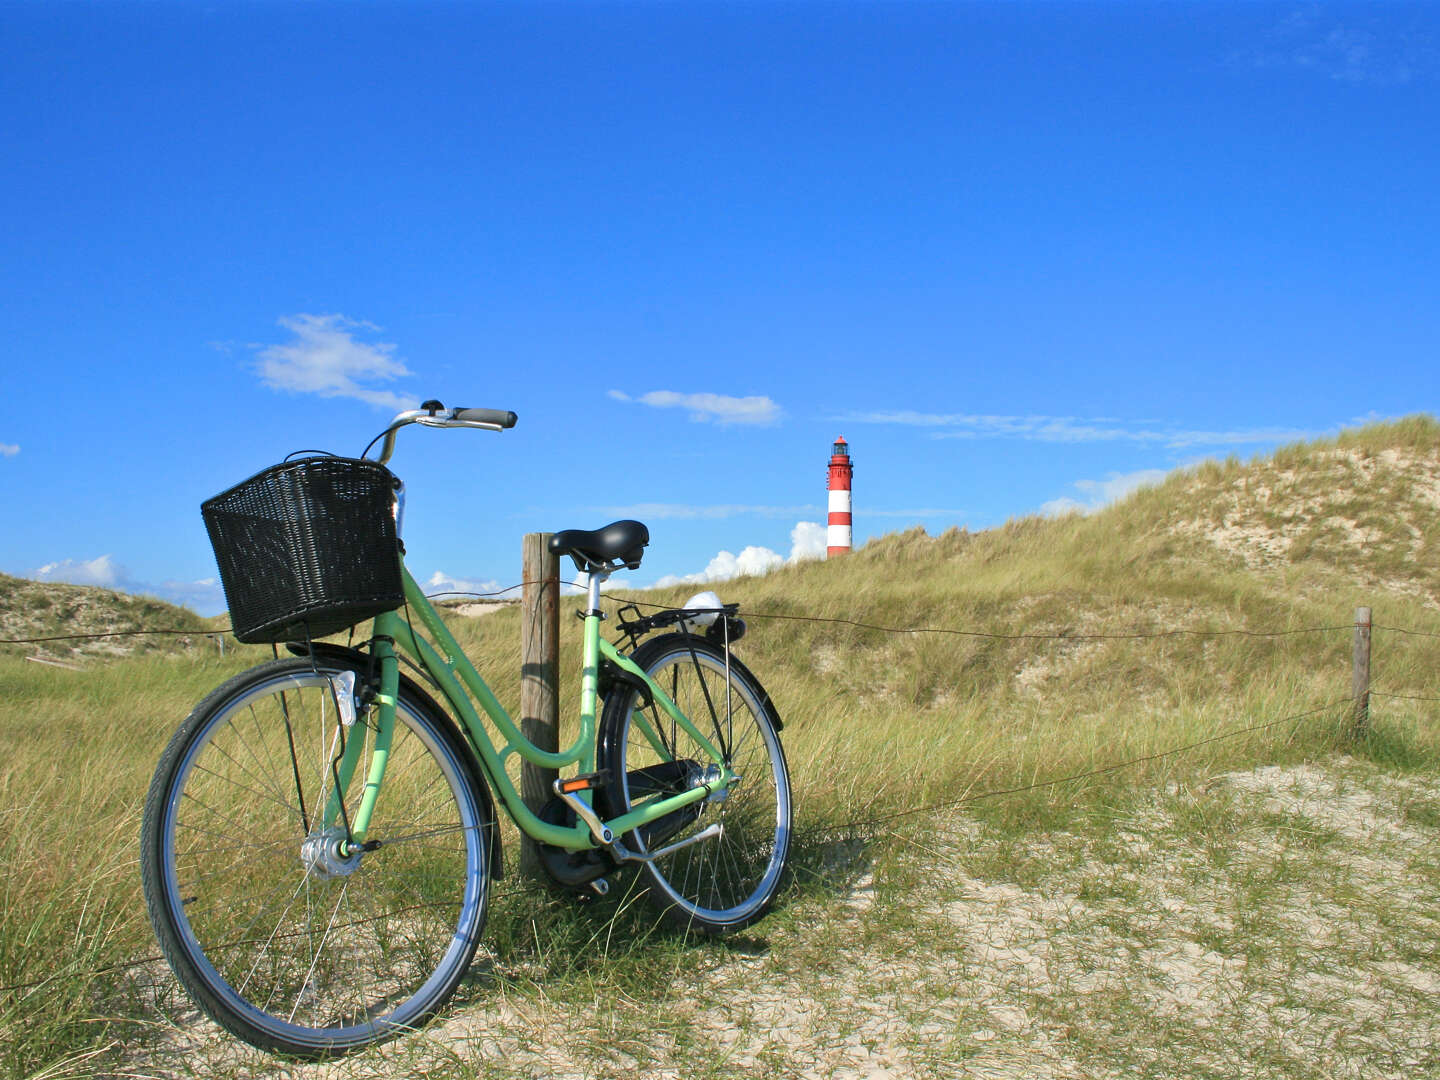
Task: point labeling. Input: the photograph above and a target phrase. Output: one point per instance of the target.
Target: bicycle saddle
(602, 549)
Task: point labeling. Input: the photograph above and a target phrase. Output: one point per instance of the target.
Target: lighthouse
(841, 468)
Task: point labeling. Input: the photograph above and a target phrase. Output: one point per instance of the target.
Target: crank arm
(624, 854)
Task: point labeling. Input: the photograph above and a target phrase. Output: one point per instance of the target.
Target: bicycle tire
(727, 882)
(295, 952)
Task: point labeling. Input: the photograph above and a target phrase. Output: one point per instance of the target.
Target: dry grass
(31, 609)
(876, 722)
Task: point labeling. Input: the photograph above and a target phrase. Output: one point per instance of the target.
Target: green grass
(876, 723)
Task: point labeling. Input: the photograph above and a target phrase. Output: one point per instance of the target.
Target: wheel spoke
(729, 880)
(315, 953)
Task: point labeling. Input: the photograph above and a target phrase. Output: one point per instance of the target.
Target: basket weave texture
(306, 548)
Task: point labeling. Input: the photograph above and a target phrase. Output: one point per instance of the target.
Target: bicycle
(320, 835)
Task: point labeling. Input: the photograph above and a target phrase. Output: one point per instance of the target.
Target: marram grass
(1069, 666)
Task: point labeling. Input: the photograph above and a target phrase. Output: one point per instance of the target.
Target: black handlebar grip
(488, 416)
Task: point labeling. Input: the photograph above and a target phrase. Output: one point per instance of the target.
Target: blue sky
(1020, 255)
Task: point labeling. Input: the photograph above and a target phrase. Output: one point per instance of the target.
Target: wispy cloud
(1379, 47)
(1072, 429)
(708, 408)
(204, 596)
(8, 449)
(324, 357)
(1101, 493)
(1179, 440)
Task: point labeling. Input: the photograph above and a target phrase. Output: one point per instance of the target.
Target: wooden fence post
(539, 678)
(1360, 673)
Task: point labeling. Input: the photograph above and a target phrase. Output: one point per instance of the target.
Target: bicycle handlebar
(434, 414)
(497, 417)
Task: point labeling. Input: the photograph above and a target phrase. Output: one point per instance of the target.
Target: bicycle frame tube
(455, 675)
(344, 769)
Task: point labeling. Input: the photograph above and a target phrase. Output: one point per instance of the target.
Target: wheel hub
(711, 775)
(323, 855)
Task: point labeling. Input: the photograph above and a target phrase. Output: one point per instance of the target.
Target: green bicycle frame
(459, 682)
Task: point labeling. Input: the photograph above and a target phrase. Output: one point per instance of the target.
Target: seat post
(597, 578)
(590, 671)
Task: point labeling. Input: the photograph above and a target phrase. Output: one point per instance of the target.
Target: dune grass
(1084, 642)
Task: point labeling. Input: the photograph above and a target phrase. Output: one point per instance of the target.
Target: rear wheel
(725, 882)
(284, 938)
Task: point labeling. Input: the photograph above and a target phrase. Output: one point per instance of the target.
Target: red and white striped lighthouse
(838, 533)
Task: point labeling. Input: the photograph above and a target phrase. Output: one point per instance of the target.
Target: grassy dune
(1069, 663)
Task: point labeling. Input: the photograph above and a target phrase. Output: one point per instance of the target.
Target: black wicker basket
(307, 548)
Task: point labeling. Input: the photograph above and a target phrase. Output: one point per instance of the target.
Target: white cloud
(1101, 493)
(441, 582)
(204, 596)
(751, 561)
(324, 358)
(1072, 429)
(8, 449)
(103, 571)
(710, 408)
(807, 541)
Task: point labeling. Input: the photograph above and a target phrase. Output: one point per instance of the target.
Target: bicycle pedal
(583, 782)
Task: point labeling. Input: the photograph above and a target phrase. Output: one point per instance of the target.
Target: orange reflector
(581, 783)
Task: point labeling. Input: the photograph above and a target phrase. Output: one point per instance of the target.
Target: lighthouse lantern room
(841, 469)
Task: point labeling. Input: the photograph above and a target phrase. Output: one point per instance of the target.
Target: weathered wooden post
(539, 677)
(1360, 673)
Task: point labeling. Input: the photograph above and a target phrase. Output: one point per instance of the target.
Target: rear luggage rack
(726, 628)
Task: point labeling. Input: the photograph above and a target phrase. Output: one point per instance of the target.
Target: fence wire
(1405, 630)
(964, 800)
(859, 825)
(848, 829)
(509, 591)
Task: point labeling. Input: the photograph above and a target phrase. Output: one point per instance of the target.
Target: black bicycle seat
(620, 542)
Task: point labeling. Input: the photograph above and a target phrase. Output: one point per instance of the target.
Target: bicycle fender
(418, 694)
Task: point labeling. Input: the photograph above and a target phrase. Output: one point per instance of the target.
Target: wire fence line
(964, 800)
(1405, 630)
(859, 825)
(1064, 635)
(847, 829)
(863, 824)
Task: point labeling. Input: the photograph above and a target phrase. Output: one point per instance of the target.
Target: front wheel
(280, 934)
(724, 882)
